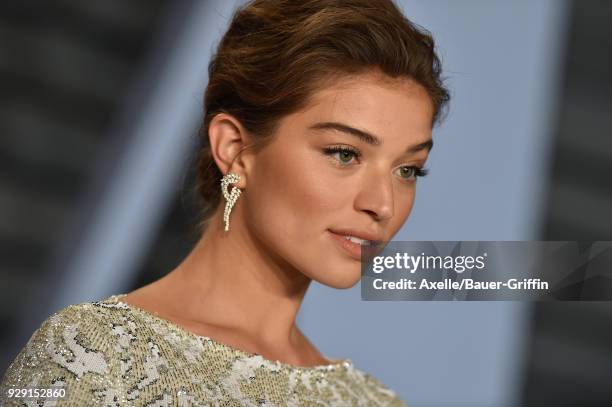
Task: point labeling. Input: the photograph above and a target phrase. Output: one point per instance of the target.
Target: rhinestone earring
(230, 197)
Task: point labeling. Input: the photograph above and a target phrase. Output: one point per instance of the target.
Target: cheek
(404, 202)
(293, 194)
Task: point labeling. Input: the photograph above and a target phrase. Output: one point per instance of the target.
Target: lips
(351, 248)
(374, 238)
(354, 250)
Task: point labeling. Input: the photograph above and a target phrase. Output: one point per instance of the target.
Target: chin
(344, 284)
(333, 268)
(340, 277)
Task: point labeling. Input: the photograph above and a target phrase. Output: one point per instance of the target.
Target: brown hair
(277, 53)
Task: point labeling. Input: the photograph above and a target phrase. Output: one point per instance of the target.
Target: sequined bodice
(109, 353)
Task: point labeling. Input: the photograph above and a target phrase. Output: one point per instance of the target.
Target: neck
(232, 280)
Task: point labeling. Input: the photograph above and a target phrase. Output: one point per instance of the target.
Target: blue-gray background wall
(99, 111)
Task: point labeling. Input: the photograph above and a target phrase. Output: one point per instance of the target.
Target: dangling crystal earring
(231, 197)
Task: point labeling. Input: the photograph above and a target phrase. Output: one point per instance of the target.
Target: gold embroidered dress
(110, 353)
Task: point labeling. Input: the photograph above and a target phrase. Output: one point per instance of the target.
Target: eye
(345, 154)
(409, 173)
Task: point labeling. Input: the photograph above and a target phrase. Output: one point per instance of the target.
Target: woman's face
(301, 189)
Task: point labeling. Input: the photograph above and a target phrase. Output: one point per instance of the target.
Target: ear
(227, 139)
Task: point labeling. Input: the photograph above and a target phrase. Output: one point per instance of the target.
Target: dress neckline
(344, 364)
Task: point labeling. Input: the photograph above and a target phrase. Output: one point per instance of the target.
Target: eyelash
(418, 171)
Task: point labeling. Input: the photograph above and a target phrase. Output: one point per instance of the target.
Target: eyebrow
(365, 136)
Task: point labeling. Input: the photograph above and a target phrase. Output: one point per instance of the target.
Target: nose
(376, 196)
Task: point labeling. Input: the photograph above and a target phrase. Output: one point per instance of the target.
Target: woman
(318, 121)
